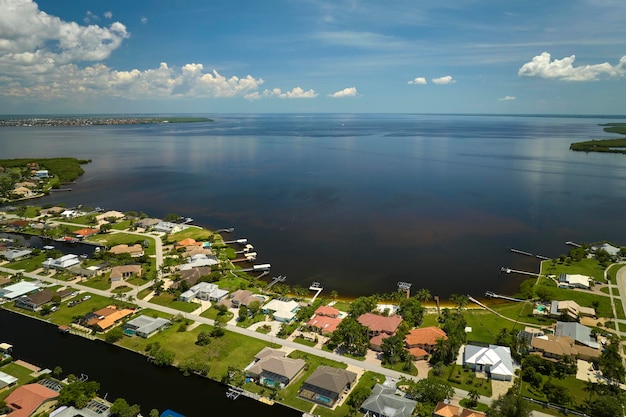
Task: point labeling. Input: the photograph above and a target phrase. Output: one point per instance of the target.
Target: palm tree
(461, 300)
(334, 294)
(423, 295)
(473, 396)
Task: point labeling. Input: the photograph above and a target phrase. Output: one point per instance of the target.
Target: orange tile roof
(86, 232)
(27, 398)
(327, 311)
(378, 323)
(417, 352)
(324, 323)
(424, 336)
(378, 339)
(111, 319)
(446, 410)
(188, 242)
(471, 413)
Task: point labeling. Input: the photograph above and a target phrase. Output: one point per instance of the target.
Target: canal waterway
(126, 374)
(37, 242)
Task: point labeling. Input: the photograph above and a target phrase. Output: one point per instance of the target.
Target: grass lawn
(231, 349)
(213, 314)
(143, 293)
(251, 320)
(464, 379)
(112, 239)
(521, 312)
(29, 265)
(32, 211)
(192, 232)
(305, 342)
(137, 280)
(123, 225)
(486, 325)
(232, 283)
(589, 267)
(168, 300)
(155, 313)
(400, 367)
(99, 282)
(479, 407)
(619, 309)
(584, 298)
(607, 291)
(342, 306)
(22, 374)
(612, 273)
(575, 388)
(121, 289)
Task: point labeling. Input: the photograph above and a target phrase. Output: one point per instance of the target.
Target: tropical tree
(351, 337)
(605, 406)
(121, 408)
(509, 405)
(423, 295)
(473, 396)
(411, 311)
(611, 363)
(460, 301)
(362, 305)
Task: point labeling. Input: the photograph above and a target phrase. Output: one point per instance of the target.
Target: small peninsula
(45, 121)
(604, 145)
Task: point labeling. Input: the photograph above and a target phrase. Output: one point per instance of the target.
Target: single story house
(204, 291)
(87, 231)
(146, 326)
(196, 261)
(135, 251)
(283, 311)
(444, 409)
(11, 292)
(529, 333)
(22, 191)
(105, 318)
(575, 281)
(324, 324)
(15, 254)
(558, 347)
(613, 251)
(63, 262)
(83, 272)
(383, 402)
(147, 223)
(35, 300)
(579, 333)
(122, 272)
(68, 214)
(42, 173)
(274, 369)
(191, 276)
(106, 215)
(494, 360)
(421, 342)
(242, 298)
(30, 399)
(187, 242)
(168, 227)
(326, 385)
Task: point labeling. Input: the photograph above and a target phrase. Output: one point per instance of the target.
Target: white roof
(498, 358)
(578, 279)
(282, 306)
(17, 290)
(7, 379)
(199, 260)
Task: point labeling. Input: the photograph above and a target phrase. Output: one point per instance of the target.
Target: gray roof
(146, 324)
(384, 402)
(331, 379)
(73, 412)
(6, 379)
(285, 367)
(268, 351)
(581, 334)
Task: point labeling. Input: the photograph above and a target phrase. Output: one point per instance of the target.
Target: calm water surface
(360, 202)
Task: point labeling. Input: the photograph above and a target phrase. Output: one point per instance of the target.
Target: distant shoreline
(94, 121)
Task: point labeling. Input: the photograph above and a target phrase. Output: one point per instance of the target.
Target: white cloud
(108, 15)
(346, 92)
(418, 80)
(564, 69)
(144, 20)
(296, 92)
(507, 98)
(90, 16)
(444, 80)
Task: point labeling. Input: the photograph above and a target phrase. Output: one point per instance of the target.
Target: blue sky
(230, 56)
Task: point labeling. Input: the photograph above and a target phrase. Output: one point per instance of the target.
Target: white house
(204, 291)
(199, 260)
(11, 292)
(494, 360)
(167, 227)
(63, 262)
(575, 281)
(283, 311)
(146, 326)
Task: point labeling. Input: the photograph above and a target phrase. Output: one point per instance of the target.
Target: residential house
(613, 251)
(187, 242)
(204, 291)
(494, 360)
(104, 217)
(199, 260)
(242, 298)
(197, 250)
(105, 318)
(71, 411)
(15, 254)
(135, 251)
(529, 333)
(30, 399)
(34, 301)
(558, 347)
(86, 232)
(148, 223)
(23, 191)
(79, 271)
(570, 309)
(69, 214)
(327, 385)
(327, 311)
(579, 333)
(146, 326)
(191, 276)
(380, 327)
(421, 342)
(324, 324)
(6, 380)
(11, 292)
(383, 402)
(42, 173)
(52, 211)
(272, 368)
(167, 227)
(471, 413)
(575, 281)
(123, 272)
(444, 409)
(281, 310)
(63, 262)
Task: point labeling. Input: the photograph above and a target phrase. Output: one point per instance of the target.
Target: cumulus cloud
(296, 92)
(418, 81)
(89, 17)
(563, 69)
(506, 98)
(144, 20)
(346, 92)
(444, 80)
(108, 15)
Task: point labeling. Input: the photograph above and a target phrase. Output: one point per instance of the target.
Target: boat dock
(515, 271)
(504, 297)
(569, 242)
(521, 252)
(233, 393)
(280, 278)
(316, 286)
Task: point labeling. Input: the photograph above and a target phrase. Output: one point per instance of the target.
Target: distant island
(96, 121)
(604, 145)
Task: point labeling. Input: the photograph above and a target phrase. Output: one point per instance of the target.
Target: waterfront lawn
(28, 265)
(169, 300)
(587, 266)
(191, 232)
(521, 312)
(154, 313)
(112, 239)
(585, 299)
(342, 306)
(123, 225)
(464, 379)
(232, 282)
(486, 325)
(22, 374)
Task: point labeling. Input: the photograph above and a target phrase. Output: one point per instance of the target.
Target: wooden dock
(515, 271)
